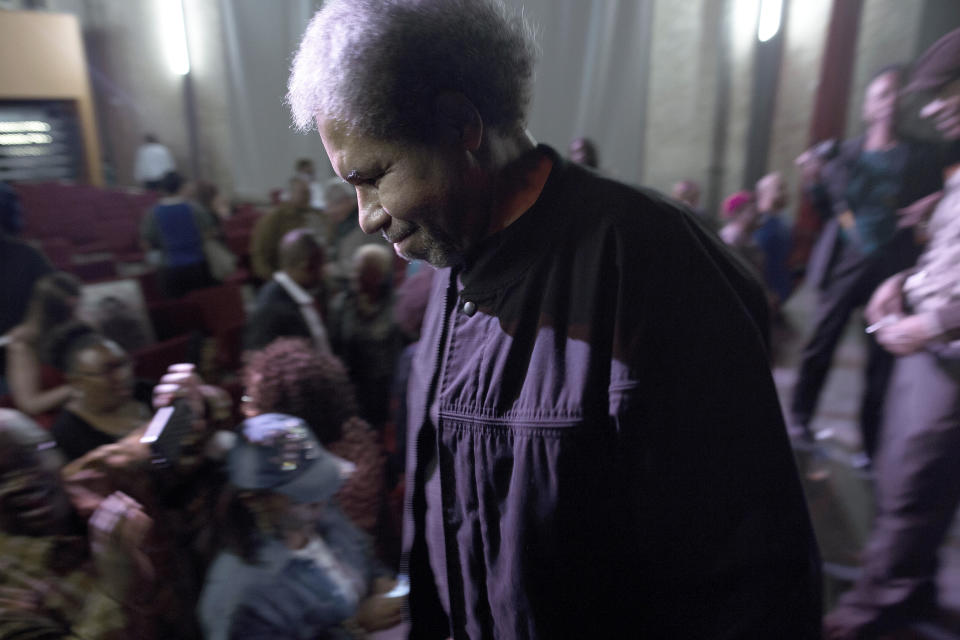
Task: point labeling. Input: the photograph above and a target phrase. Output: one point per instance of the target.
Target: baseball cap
(937, 66)
(278, 452)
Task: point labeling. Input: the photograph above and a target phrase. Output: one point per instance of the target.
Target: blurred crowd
(238, 493)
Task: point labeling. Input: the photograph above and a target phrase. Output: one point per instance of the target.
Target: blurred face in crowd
(306, 169)
(880, 99)
(103, 374)
(312, 271)
(944, 111)
(342, 207)
(32, 499)
(687, 192)
(302, 259)
(420, 196)
(281, 514)
(299, 193)
(583, 152)
(370, 274)
(771, 192)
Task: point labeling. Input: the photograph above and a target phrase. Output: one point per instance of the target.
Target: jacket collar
(504, 257)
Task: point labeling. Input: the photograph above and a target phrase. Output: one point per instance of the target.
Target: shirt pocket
(529, 504)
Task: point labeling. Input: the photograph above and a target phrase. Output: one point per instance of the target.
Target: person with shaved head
(290, 304)
(295, 213)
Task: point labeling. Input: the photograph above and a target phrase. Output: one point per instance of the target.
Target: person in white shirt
(154, 161)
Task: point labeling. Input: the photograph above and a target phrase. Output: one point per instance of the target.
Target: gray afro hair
(376, 65)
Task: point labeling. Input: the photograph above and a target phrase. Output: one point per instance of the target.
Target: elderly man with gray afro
(582, 462)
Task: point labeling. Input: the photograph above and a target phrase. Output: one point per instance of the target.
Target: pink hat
(735, 202)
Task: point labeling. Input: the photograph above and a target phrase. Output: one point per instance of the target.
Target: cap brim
(318, 483)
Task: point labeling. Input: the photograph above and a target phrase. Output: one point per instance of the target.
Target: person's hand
(180, 381)
(22, 594)
(946, 116)
(118, 530)
(383, 585)
(909, 334)
(14, 600)
(810, 164)
(886, 300)
(377, 612)
(919, 211)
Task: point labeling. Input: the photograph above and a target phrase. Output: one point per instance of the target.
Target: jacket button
(469, 308)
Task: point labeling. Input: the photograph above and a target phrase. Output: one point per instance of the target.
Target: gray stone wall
(805, 34)
(640, 76)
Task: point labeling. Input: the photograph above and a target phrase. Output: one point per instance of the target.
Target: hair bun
(63, 341)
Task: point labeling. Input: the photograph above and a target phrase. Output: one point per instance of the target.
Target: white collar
(298, 293)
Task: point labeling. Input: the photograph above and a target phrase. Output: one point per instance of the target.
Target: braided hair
(290, 376)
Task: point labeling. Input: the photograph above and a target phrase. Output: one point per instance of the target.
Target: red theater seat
(151, 362)
(95, 270)
(173, 318)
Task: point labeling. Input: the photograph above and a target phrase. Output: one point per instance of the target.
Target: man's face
(299, 193)
(880, 99)
(312, 271)
(944, 111)
(340, 209)
(368, 277)
(307, 169)
(418, 196)
(32, 499)
(771, 193)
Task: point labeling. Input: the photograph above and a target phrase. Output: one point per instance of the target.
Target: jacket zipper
(431, 392)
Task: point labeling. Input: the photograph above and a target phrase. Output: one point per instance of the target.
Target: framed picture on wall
(40, 140)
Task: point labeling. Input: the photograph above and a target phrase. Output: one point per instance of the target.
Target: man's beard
(434, 247)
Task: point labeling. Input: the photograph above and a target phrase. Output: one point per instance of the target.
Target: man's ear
(458, 121)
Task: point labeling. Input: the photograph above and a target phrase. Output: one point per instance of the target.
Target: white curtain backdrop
(591, 81)
(592, 77)
(259, 41)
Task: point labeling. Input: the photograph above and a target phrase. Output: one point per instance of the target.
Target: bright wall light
(769, 22)
(7, 139)
(21, 126)
(174, 36)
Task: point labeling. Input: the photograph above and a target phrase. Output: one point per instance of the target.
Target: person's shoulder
(272, 292)
(22, 335)
(601, 204)
(20, 252)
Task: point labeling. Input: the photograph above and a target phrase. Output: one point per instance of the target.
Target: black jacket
(922, 175)
(611, 454)
(276, 315)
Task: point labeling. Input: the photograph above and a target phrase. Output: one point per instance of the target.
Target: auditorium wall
(56, 69)
(641, 77)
